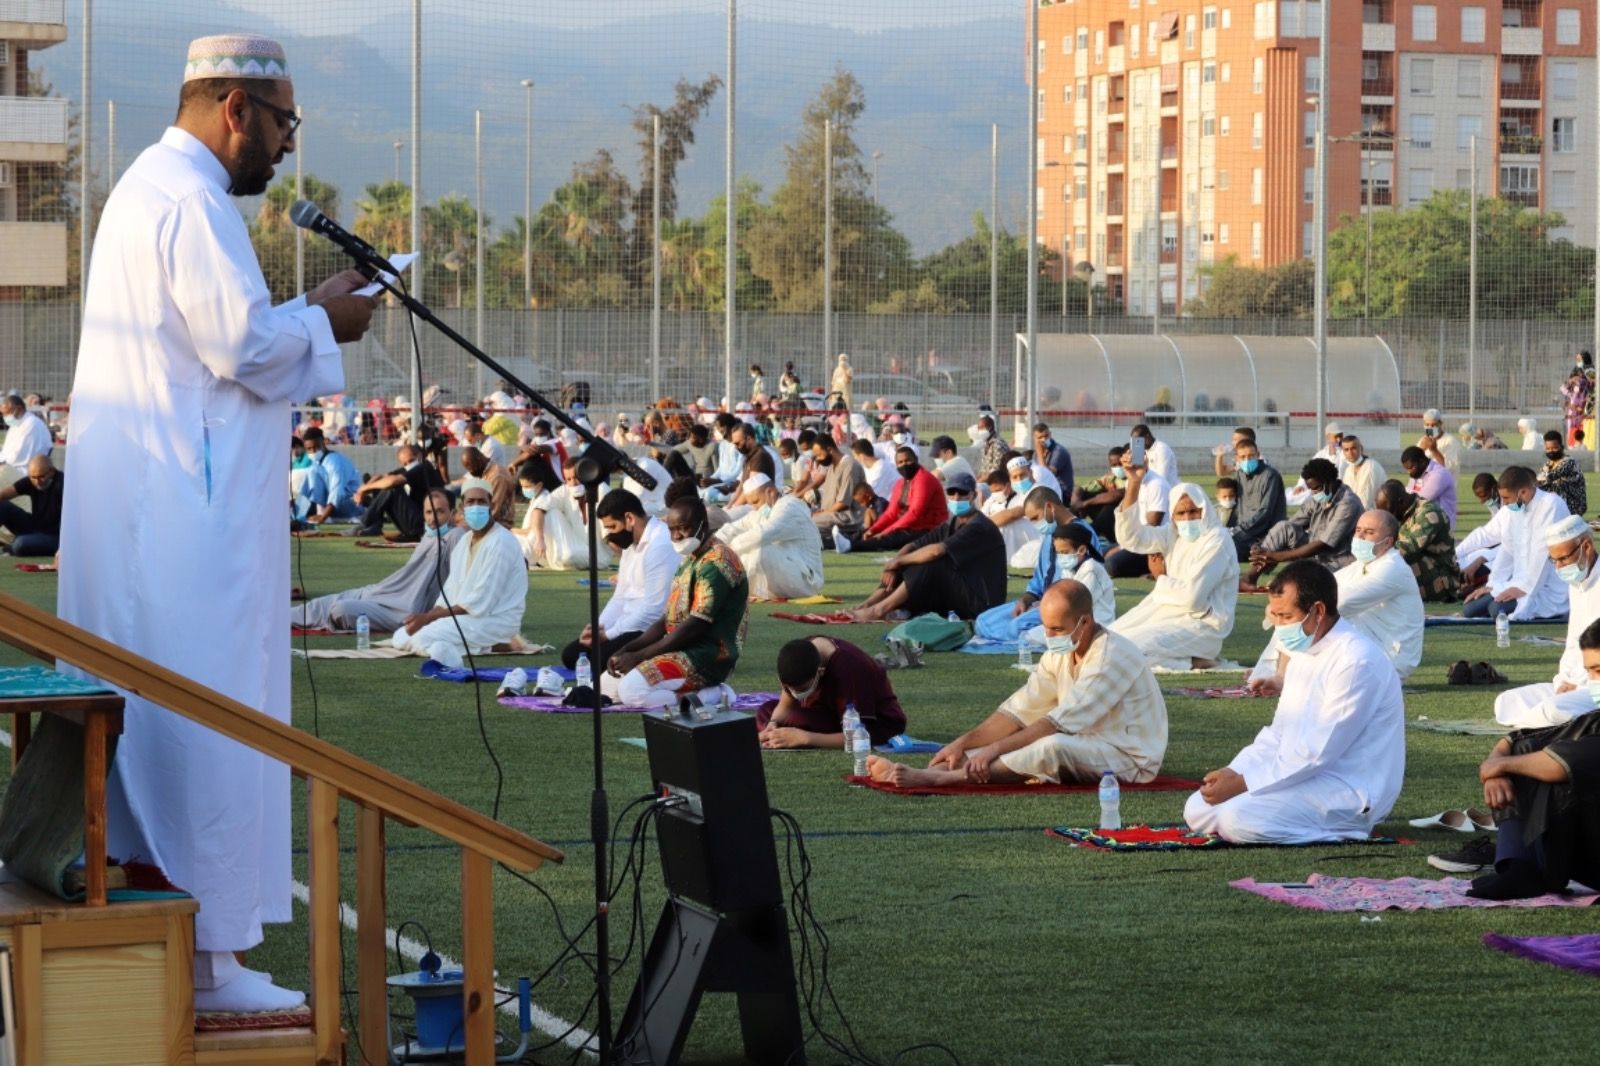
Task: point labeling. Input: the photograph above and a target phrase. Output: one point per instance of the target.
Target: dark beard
(253, 167)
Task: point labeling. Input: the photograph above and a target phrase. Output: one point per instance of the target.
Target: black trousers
(397, 507)
(608, 648)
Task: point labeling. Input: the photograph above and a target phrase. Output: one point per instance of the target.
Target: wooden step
(256, 1047)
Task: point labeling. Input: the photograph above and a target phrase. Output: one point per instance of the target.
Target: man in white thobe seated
(1522, 583)
(645, 565)
(481, 608)
(1091, 705)
(26, 436)
(1570, 544)
(185, 372)
(1360, 472)
(1378, 594)
(409, 590)
(778, 543)
(1330, 764)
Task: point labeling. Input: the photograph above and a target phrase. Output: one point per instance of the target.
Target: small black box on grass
(717, 847)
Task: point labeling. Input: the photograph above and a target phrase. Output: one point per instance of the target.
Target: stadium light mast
(1319, 223)
(1031, 387)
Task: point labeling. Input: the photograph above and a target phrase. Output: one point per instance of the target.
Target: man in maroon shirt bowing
(820, 676)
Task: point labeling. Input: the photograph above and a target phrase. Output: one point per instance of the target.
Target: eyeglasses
(288, 121)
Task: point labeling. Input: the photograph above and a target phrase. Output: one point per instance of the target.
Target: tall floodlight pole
(655, 258)
(876, 156)
(1472, 286)
(299, 194)
(420, 273)
(1319, 223)
(527, 199)
(477, 237)
(730, 258)
(1366, 276)
(1032, 387)
(994, 261)
(827, 241)
(84, 114)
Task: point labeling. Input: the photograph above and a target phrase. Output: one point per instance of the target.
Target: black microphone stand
(599, 459)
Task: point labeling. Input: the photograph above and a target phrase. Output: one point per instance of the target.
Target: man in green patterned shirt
(696, 644)
(1425, 542)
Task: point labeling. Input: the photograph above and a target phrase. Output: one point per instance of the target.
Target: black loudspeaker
(724, 928)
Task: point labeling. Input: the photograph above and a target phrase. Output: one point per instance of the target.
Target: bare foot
(1201, 664)
(880, 769)
(893, 773)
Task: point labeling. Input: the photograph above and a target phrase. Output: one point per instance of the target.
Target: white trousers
(1538, 706)
(1314, 810)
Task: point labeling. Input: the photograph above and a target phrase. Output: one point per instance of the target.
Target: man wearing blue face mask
(1091, 705)
(959, 565)
(1260, 502)
(1522, 583)
(1043, 510)
(480, 609)
(408, 591)
(1570, 545)
(1321, 531)
(1330, 764)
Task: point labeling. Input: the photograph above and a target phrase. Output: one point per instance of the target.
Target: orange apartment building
(33, 133)
(1174, 134)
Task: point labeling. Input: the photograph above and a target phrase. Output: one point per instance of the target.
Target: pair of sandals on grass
(1464, 673)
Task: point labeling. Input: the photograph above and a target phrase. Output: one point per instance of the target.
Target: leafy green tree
(960, 271)
(1234, 291)
(274, 235)
(677, 134)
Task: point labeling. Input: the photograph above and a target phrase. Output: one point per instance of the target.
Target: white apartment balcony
(33, 129)
(1519, 41)
(33, 254)
(1377, 37)
(34, 24)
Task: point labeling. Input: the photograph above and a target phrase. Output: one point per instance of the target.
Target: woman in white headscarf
(1182, 623)
(1532, 439)
(842, 377)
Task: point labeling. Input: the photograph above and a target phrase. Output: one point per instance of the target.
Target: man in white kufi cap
(184, 379)
(777, 541)
(1572, 555)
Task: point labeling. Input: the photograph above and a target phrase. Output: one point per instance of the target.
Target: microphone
(309, 216)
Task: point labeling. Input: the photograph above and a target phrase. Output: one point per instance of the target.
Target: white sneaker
(841, 543)
(247, 994)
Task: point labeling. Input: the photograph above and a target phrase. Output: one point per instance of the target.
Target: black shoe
(1520, 880)
(1476, 857)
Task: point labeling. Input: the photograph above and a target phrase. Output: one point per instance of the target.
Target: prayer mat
(298, 631)
(1224, 666)
(1321, 892)
(20, 682)
(605, 583)
(438, 671)
(389, 651)
(1175, 838)
(1161, 783)
(1543, 642)
(833, 618)
(1235, 692)
(980, 646)
(37, 568)
(1580, 953)
(315, 534)
(906, 746)
(802, 601)
(217, 1021)
(1460, 620)
(407, 545)
(1472, 727)
(749, 701)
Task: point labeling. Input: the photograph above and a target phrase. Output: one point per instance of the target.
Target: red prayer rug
(237, 1021)
(1161, 783)
(37, 568)
(832, 618)
(1172, 838)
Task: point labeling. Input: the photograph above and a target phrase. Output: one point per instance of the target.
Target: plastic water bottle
(1502, 631)
(1024, 655)
(852, 718)
(952, 617)
(585, 676)
(363, 633)
(860, 748)
(1110, 801)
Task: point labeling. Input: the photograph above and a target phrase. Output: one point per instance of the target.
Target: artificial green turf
(955, 919)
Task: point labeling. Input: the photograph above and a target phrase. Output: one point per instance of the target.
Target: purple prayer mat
(1580, 952)
(750, 701)
(1321, 892)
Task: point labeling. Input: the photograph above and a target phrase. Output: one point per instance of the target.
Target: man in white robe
(646, 562)
(1572, 555)
(1360, 472)
(778, 543)
(1522, 583)
(1378, 594)
(26, 436)
(185, 375)
(480, 609)
(409, 590)
(1182, 622)
(1330, 764)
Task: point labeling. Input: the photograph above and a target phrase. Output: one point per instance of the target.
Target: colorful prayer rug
(1321, 892)
(1161, 783)
(832, 618)
(238, 1021)
(37, 568)
(1580, 953)
(1233, 692)
(749, 701)
(1173, 838)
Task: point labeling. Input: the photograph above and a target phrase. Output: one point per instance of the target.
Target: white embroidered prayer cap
(1571, 527)
(470, 483)
(1018, 462)
(756, 482)
(236, 55)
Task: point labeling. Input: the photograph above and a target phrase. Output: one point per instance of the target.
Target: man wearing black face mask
(1561, 476)
(645, 566)
(916, 505)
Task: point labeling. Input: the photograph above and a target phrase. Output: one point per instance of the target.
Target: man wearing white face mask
(991, 449)
(1570, 545)
(1330, 764)
(1091, 705)
(780, 546)
(26, 435)
(1378, 594)
(1522, 583)
(480, 609)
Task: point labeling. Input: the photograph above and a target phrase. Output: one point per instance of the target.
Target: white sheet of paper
(400, 262)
